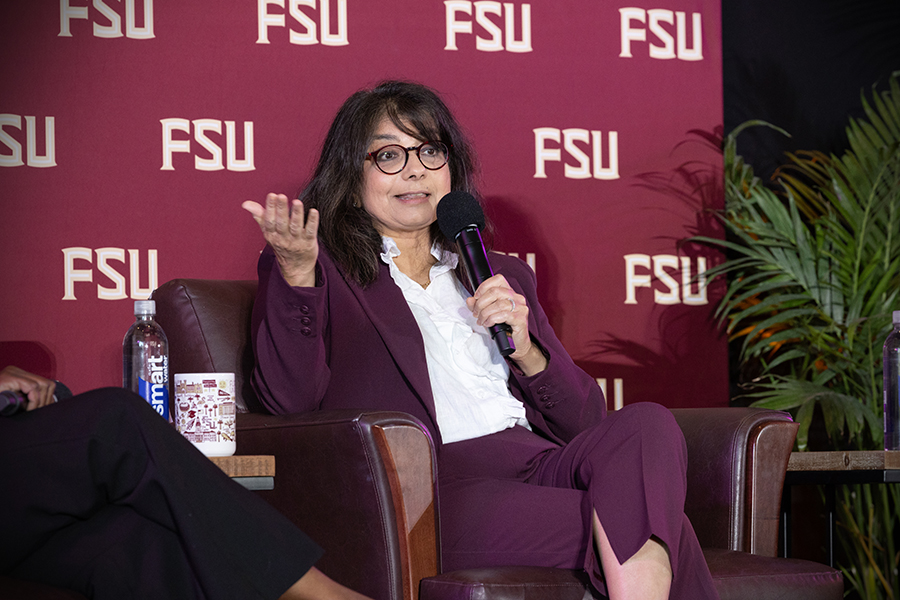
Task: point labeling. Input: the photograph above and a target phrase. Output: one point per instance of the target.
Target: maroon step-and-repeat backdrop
(132, 130)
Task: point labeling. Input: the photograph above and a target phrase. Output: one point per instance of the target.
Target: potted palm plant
(813, 269)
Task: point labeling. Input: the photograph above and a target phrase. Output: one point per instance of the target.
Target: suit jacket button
(306, 331)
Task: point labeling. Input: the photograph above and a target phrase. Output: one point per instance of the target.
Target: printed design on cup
(206, 410)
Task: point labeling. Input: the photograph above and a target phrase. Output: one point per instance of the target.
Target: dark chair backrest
(207, 323)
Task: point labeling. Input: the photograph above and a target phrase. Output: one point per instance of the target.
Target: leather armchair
(362, 483)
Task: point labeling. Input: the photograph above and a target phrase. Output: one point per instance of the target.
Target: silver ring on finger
(512, 305)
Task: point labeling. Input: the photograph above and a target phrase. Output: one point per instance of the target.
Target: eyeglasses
(392, 159)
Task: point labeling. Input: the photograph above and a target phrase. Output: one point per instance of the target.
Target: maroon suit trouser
(515, 498)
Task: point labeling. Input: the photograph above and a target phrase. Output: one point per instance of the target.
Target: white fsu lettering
(618, 397)
(109, 24)
(104, 256)
(201, 129)
(669, 46)
(308, 32)
(489, 15)
(573, 140)
(32, 158)
(663, 265)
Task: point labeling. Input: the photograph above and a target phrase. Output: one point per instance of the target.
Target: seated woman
(362, 303)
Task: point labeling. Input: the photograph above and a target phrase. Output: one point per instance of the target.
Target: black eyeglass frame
(407, 150)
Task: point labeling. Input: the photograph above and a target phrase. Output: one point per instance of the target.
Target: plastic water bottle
(145, 359)
(891, 359)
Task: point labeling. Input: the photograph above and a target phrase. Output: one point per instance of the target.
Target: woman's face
(403, 204)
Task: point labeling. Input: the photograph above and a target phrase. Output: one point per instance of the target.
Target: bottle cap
(148, 307)
(896, 317)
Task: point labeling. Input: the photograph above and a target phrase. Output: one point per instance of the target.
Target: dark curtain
(801, 65)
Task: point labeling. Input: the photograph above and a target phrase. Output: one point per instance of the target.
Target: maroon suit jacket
(338, 345)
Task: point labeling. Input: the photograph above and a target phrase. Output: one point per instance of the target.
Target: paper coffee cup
(205, 410)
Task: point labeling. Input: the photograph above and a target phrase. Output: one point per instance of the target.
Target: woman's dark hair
(335, 190)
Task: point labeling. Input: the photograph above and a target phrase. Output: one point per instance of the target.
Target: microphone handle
(11, 403)
(471, 249)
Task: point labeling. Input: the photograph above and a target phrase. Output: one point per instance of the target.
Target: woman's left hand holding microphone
(494, 303)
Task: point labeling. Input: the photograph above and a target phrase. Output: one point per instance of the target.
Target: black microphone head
(62, 392)
(458, 210)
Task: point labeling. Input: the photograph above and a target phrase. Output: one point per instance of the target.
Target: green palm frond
(841, 411)
(814, 270)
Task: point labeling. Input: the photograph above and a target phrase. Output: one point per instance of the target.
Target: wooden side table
(831, 469)
(252, 472)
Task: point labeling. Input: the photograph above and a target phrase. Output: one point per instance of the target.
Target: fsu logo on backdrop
(33, 158)
(105, 256)
(583, 146)
(306, 27)
(498, 21)
(201, 130)
(660, 22)
(106, 20)
(665, 268)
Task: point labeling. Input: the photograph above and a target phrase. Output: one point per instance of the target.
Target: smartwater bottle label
(157, 394)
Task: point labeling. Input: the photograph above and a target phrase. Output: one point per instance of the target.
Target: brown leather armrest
(737, 458)
(362, 485)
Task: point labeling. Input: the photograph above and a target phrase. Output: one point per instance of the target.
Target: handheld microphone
(460, 218)
(12, 402)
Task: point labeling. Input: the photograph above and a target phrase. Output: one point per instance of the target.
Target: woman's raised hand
(294, 242)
